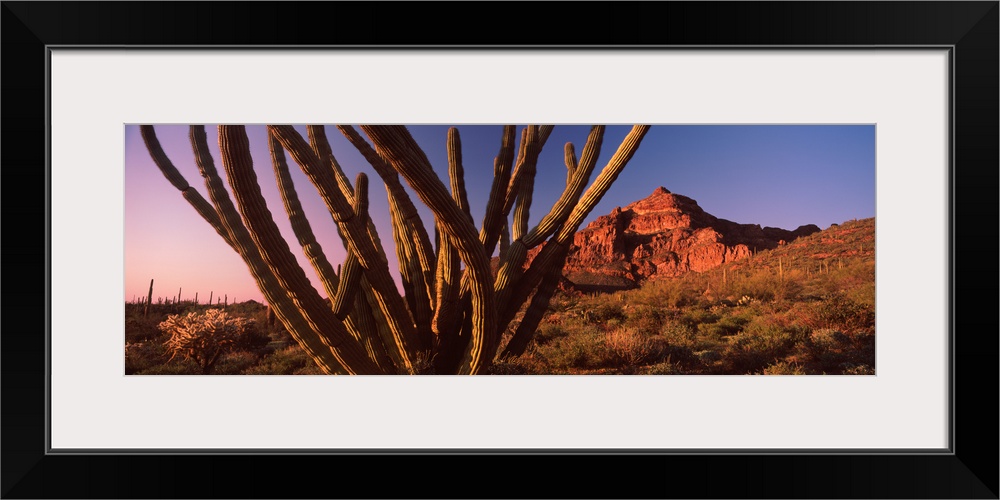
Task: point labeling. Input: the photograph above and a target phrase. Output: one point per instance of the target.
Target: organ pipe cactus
(453, 308)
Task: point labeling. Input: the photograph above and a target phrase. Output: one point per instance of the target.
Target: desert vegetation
(454, 309)
(186, 338)
(807, 307)
(804, 308)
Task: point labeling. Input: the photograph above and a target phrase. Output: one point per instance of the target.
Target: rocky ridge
(663, 235)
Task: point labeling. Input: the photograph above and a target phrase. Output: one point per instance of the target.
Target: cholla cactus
(203, 337)
(453, 310)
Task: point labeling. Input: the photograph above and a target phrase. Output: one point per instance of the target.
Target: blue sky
(772, 175)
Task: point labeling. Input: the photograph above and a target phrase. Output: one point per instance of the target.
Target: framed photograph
(883, 394)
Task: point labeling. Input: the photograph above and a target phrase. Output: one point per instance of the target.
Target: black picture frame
(969, 470)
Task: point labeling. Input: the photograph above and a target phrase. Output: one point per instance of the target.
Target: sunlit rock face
(661, 236)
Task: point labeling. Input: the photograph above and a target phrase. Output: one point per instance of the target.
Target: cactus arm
(237, 236)
(504, 237)
(360, 240)
(512, 262)
(526, 184)
(571, 195)
(350, 283)
(456, 173)
(357, 320)
(297, 218)
(368, 319)
(396, 145)
(534, 314)
(510, 196)
(533, 140)
(414, 226)
(275, 251)
(321, 146)
(516, 292)
(544, 131)
(313, 343)
(502, 165)
(193, 197)
(569, 158)
(525, 177)
(413, 273)
(351, 280)
(448, 275)
(600, 186)
(447, 287)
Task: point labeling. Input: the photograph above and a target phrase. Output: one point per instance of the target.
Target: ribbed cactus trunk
(149, 298)
(449, 320)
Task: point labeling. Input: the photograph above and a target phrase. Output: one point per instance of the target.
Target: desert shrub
(141, 356)
(784, 368)
(600, 312)
(758, 346)
(826, 339)
(282, 362)
(204, 337)
(665, 293)
(762, 285)
(839, 312)
(548, 332)
(627, 346)
(235, 363)
(575, 351)
(862, 369)
(695, 317)
(678, 333)
(664, 368)
(525, 364)
(708, 357)
(726, 326)
(646, 319)
(181, 367)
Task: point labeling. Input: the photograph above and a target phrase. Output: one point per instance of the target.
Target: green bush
(548, 332)
(840, 313)
(600, 312)
(758, 346)
(695, 317)
(726, 326)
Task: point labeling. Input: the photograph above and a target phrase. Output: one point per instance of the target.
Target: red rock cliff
(663, 235)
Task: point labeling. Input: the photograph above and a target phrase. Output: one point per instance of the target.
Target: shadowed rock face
(663, 235)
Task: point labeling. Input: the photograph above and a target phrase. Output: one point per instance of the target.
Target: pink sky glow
(781, 176)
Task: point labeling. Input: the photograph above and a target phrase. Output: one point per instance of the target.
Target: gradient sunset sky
(773, 175)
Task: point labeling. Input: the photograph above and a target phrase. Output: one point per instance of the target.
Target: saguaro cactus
(149, 298)
(451, 316)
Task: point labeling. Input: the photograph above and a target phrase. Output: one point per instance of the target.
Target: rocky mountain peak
(663, 235)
